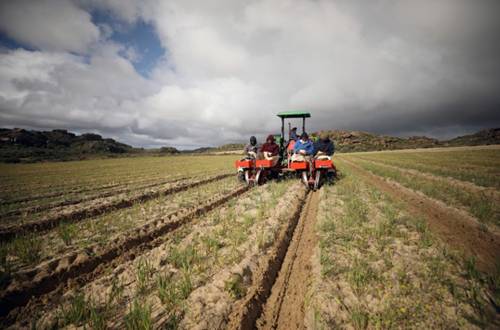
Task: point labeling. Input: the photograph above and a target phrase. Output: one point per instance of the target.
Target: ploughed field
(402, 239)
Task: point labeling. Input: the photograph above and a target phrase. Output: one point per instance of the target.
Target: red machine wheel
(305, 179)
(317, 180)
(260, 177)
(247, 177)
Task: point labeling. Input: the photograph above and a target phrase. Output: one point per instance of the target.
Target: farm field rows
(401, 239)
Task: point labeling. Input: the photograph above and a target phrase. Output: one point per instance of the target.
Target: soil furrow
(453, 226)
(59, 190)
(469, 186)
(52, 221)
(285, 309)
(37, 285)
(246, 312)
(54, 194)
(39, 208)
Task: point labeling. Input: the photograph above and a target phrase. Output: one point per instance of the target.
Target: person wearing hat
(270, 150)
(324, 147)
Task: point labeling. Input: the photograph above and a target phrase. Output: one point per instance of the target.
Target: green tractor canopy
(288, 115)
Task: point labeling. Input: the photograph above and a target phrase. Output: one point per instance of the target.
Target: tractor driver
(303, 149)
(252, 148)
(270, 150)
(293, 134)
(324, 147)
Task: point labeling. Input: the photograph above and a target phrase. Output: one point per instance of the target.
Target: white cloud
(56, 25)
(386, 66)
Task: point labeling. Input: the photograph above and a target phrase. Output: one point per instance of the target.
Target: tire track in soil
(277, 297)
(46, 284)
(285, 308)
(460, 231)
(469, 186)
(35, 209)
(68, 192)
(55, 194)
(7, 233)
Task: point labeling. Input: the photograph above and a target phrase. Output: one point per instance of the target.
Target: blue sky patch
(142, 45)
(6, 42)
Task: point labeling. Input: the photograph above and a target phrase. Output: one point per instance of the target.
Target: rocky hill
(20, 145)
(484, 137)
(351, 141)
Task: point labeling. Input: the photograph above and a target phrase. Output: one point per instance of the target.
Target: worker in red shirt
(270, 150)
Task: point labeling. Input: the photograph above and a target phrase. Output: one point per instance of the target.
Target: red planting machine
(313, 171)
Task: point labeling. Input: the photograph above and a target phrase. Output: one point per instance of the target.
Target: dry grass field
(403, 239)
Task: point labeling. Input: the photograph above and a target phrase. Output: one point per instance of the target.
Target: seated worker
(303, 148)
(270, 150)
(252, 148)
(324, 147)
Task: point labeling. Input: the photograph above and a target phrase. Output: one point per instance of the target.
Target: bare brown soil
(455, 228)
(35, 286)
(96, 208)
(285, 308)
(279, 287)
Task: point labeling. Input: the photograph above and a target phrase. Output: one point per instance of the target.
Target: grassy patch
(66, 232)
(144, 273)
(27, 248)
(480, 205)
(381, 268)
(139, 316)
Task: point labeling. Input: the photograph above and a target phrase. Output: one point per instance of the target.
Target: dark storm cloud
(386, 66)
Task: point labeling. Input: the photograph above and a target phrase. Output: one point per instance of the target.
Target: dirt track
(457, 229)
(284, 309)
(276, 298)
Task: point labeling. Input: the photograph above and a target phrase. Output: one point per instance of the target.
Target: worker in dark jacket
(251, 148)
(270, 150)
(324, 146)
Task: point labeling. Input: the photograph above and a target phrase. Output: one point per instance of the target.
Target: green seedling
(139, 316)
(66, 232)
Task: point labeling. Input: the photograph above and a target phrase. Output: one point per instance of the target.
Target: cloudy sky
(195, 73)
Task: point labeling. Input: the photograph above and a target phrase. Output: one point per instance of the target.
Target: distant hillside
(484, 137)
(20, 145)
(223, 148)
(351, 141)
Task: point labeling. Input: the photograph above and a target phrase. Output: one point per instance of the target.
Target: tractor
(313, 171)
